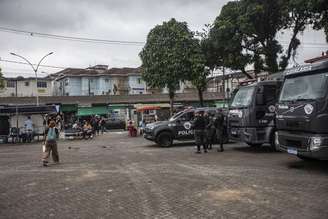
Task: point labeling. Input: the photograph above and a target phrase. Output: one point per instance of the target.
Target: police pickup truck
(178, 127)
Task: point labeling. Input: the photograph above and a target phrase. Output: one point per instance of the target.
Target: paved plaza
(115, 176)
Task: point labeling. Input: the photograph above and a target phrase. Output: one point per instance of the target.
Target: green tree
(246, 32)
(2, 85)
(320, 8)
(259, 22)
(168, 57)
(300, 15)
(225, 44)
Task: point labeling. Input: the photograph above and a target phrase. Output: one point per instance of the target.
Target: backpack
(52, 135)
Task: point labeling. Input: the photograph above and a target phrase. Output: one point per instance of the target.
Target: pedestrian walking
(102, 124)
(50, 145)
(199, 127)
(219, 128)
(95, 125)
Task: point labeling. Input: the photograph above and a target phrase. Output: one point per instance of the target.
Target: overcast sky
(102, 19)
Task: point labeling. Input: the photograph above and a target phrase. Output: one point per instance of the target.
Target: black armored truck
(178, 127)
(302, 112)
(251, 116)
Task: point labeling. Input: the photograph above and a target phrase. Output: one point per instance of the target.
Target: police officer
(219, 128)
(210, 130)
(199, 127)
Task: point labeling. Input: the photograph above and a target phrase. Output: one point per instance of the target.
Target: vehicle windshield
(243, 97)
(175, 116)
(306, 87)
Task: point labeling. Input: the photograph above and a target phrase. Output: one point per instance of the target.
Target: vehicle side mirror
(259, 99)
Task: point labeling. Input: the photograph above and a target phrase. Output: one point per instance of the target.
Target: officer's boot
(198, 149)
(205, 148)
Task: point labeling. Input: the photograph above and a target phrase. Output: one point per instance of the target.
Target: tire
(164, 139)
(254, 145)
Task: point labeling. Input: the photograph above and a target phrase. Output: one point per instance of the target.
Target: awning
(68, 108)
(143, 107)
(90, 111)
(27, 109)
(118, 106)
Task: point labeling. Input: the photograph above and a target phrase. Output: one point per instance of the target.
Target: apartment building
(26, 87)
(98, 80)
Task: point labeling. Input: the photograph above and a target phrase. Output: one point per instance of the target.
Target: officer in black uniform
(210, 130)
(199, 127)
(219, 128)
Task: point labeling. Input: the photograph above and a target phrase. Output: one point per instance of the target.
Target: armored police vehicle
(178, 127)
(302, 112)
(252, 113)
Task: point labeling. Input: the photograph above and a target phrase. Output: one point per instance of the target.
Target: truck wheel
(164, 139)
(254, 145)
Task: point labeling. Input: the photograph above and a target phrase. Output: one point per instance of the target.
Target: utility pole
(35, 71)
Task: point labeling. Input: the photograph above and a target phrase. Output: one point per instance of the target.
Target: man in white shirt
(28, 124)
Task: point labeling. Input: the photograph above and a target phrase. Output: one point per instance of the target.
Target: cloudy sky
(123, 20)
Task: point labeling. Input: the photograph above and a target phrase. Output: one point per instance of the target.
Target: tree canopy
(246, 32)
(171, 55)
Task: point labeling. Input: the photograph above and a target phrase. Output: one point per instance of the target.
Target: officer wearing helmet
(199, 127)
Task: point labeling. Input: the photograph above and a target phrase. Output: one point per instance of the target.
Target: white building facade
(26, 87)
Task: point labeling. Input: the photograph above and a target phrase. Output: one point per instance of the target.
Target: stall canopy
(25, 109)
(143, 107)
(90, 111)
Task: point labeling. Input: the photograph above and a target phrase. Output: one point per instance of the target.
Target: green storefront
(92, 111)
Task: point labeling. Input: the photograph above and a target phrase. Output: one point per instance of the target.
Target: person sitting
(87, 130)
(142, 126)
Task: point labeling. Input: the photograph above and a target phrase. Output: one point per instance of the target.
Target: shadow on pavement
(178, 144)
(255, 150)
(312, 165)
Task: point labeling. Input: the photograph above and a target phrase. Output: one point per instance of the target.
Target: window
(139, 80)
(107, 80)
(42, 84)
(270, 94)
(66, 82)
(27, 83)
(187, 116)
(11, 83)
(243, 97)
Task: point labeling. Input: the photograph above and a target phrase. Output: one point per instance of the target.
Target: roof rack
(247, 82)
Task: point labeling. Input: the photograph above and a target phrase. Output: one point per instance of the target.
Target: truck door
(183, 126)
(265, 106)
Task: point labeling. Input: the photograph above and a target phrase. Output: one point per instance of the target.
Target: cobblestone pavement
(114, 176)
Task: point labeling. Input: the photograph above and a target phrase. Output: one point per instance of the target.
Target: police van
(178, 127)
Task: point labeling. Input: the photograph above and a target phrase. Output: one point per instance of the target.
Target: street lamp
(35, 71)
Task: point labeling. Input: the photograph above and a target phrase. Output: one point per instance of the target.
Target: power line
(70, 38)
(23, 63)
(103, 41)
